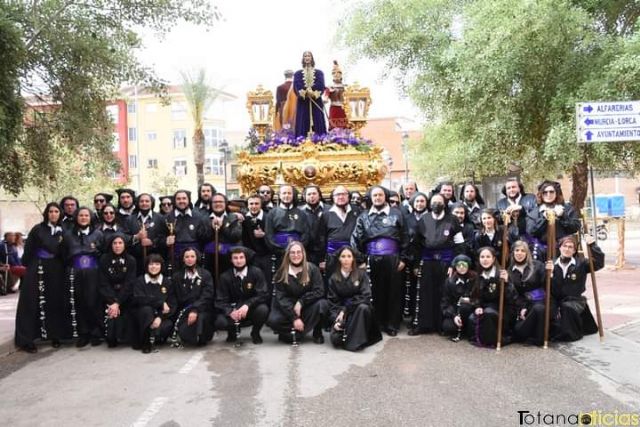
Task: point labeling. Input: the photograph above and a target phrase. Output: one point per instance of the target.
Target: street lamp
(224, 149)
(405, 153)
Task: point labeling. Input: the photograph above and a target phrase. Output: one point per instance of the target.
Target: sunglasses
(108, 213)
(265, 192)
(165, 204)
(99, 201)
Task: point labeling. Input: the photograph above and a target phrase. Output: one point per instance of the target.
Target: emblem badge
(573, 276)
(191, 227)
(93, 245)
(446, 232)
(151, 224)
(249, 286)
(163, 290)
(385, 221)
(492, 287)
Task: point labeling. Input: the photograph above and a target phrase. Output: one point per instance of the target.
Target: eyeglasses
(99, 201)
(165, 204)
(108, 213)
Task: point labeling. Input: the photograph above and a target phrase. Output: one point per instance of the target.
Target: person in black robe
(490, 233)
(527, 276)
(482, 327)
(146, 230)
(111, 226)
(336, 226)
(69, 206)
(228, 226)
(192, 293)
(458, 210)
(242, 297)
(550, 198)
(117, 274)
(126, 204)
(151, 310)
(456, 298)
(350, 308)
(184, 228)
(314, 208)
(437, 241)
(516, 203)
(42, 306)
(447, 190)
(266, 196)
(82, 247)
(473, 202)
(165, 205)
(299, 305)
(573, 318)
(284, 224)
(413, 211)
(100, 200)
(253, 237)
(381, 235)
(203, 203)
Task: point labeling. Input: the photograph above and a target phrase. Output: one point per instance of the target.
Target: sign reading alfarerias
(615, 121)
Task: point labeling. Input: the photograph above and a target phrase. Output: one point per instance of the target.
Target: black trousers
(256, 317)
(387, 290)
(312, 315)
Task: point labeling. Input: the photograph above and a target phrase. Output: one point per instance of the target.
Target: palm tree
(199, 96)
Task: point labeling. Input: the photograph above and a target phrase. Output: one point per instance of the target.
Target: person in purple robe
(308, 85)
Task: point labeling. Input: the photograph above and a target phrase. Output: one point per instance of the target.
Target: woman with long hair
(42, 306)
(350, 308)
(299, 305)
(485, 295)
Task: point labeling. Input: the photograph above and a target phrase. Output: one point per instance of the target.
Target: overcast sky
(257, 41)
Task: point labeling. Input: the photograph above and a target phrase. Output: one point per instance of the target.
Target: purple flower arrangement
(342, 137)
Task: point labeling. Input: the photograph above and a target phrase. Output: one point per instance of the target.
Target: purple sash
(444, 255)
(383, 246)
(84, 262)
(282, 239)
(44, 254)
(535, 295)
(223, 248)
(334, 245)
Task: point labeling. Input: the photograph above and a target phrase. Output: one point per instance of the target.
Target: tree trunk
(198, 155)
(580, 180)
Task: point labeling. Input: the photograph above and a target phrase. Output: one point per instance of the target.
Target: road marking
(150, 412)
(191, 363)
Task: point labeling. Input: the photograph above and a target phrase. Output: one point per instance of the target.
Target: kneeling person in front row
(298, 306)
(242, 297)
(192, 294)
(151, 308)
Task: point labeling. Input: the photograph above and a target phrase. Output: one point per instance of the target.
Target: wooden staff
(551, 254)
(592, 270)
(144, 248)
(171, 226)
(503, 264)
(216, 236)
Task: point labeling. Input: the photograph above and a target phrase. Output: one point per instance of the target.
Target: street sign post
(615, 121)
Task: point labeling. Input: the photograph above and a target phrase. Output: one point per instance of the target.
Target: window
(131, 107)
(180, 167)
(212, 137)
(152, 135)
(179, 138)
(133, 134)
(178, 111)
(234, 173)
(152, 163)
(213, 165)
(133, 161)
(152, 107)
(112, 111)
(115, 147)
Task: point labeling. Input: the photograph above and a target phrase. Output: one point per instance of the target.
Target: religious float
(295, 147)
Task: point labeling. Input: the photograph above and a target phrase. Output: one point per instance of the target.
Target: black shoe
(55, 343)
(95, 342)
(82, 342)
(232, 337)
(256, 338)
(413, 332)
(146, 349)
(112, 343)
(392, 332)
(318, 338)
(29, 348)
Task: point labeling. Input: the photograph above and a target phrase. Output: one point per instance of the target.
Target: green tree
(200, 95)
(72, 57)
(498, 80)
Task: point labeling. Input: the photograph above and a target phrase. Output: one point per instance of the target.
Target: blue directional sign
(615, 121)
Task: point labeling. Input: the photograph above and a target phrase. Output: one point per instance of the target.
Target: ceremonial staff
(592, 270)
(551, 254)
(503, 264)
(216, 237)
(171, 227)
